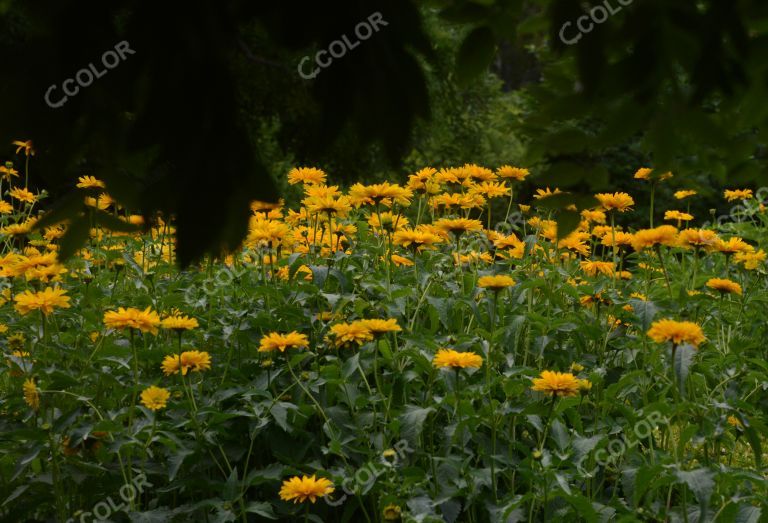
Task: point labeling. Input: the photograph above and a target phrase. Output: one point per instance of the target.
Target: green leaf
(262, 508)
(279, 411)
(645, 311)
(683, 358)
(65, 208)
(113, 223)
(701, 483)
(567, 221)
(175, 462)
(413, 421)
(754, 441)
(75, 237)
(475, 54)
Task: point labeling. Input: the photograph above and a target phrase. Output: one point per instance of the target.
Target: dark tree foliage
(166, 130)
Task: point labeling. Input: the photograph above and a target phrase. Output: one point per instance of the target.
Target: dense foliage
(432, 351)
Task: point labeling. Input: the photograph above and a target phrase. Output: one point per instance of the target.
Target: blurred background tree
(210, 112)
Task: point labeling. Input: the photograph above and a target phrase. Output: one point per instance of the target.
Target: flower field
(426, 351)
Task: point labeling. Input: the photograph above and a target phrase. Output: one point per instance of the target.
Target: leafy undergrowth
(512, 375)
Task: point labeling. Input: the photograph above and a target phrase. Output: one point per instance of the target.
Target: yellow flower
(698, 238)
(681, 195)
(662, 235)
(593, 268)
(415, 239)
(391, 512)
(677, 215)
(383, 193)
(596, 216)
(306, 175)
(345, 334)
(735, 422)
(328, 205)
(90, 182)
(619, 201)
(676, 331)
(738, 194)
(733, 245)
(191, 360)
(643, 173)
(131, 318)
(514, 173)
(377, 326)
(619, 237)
(179, 322)
(401, 261)
(576, 367)
(458, 226)
(449, 358)
(546, 193)
(490, 189)
(585, 386)
(724, 286)
(496, 283)
(276, 341)
(558, 384)
(155, 398)
(750, 260)
(7, 171)
(387, 221)
(45, 301)
(23, 195)
(31, 393)
(299, 490)
(29, 150)
(5, 207)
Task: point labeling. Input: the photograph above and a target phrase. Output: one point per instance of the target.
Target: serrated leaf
(701, 482)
